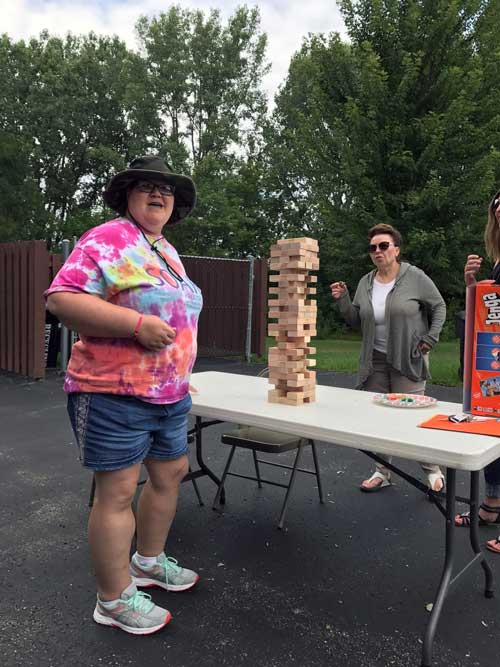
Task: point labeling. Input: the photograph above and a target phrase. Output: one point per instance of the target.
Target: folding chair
(187, 478)
(270, 442)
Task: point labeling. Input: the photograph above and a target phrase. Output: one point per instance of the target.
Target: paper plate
(405, 400)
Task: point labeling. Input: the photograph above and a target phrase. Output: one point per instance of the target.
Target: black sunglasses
(165, 189)
(383, 246)
(495, 203)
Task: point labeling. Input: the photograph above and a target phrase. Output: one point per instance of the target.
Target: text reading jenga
(291, 305)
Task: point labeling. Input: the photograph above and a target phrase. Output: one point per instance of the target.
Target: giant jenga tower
(290, 303)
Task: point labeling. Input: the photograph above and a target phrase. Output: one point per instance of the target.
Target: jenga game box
(483, 312)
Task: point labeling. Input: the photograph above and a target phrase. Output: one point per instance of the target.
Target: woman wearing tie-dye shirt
(125, 291)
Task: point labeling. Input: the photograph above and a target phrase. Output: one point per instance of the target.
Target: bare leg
(111, 528)
(379, 381)
(158, 503)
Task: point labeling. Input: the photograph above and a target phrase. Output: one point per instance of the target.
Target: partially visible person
(489, 512)
(125, 291)
(400, 313)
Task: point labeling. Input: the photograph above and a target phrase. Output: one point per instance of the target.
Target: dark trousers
(492, 477)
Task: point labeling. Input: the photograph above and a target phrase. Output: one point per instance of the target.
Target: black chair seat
(261, 440)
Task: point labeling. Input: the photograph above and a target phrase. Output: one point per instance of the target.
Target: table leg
(444, 584)
(204, 469)
(474, 533)
(446, 580)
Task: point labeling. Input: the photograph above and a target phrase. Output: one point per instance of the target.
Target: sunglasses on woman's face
(164, 189)
(495, 203)
(383, 246)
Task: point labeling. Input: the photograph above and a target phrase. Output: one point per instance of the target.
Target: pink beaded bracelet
(137, 327)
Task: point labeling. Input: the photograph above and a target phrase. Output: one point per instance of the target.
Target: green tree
(397, 126)
(22, 214)
(205, 79)
(77, 105)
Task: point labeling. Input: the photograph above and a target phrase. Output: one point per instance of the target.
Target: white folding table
(351, 419)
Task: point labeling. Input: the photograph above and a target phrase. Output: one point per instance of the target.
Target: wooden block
(295, 396)
(295, 355)
(303, 241)
(278, 303)
(299, 333)
(296, 369)
(286, 401)
(279, 362)
(287, 243)
(290, 264)
(276, 375)
(295, 323)
(296, 277)
(304, 305)
(274, 396)
(295, 383)
(288, 343)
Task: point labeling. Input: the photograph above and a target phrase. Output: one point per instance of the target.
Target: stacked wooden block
(291, 305)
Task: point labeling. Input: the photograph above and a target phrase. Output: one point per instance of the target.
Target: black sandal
(464, 519)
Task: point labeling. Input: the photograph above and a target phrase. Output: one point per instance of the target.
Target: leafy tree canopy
(397, 126)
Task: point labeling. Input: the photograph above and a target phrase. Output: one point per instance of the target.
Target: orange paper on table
(482, 426)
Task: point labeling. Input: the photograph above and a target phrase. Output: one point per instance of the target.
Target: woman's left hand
(424, 347)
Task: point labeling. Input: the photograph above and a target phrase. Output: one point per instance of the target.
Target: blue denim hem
(141, 459)
(174, 457)
(100, 468)
(492, 490)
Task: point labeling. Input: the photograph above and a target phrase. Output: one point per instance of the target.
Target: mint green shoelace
(171, 564)
(141, 602)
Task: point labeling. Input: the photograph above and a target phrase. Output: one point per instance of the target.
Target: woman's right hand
(338, 289)
(472, 266)
(154, 334)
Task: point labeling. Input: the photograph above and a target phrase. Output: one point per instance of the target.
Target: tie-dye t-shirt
(115, 262)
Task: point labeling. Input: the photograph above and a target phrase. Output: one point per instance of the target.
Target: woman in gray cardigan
(400, 313)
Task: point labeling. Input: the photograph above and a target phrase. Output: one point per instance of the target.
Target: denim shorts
(114, 432)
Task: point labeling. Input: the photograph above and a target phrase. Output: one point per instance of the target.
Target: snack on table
(405, 400)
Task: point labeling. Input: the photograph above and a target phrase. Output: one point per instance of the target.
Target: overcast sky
(286, 22)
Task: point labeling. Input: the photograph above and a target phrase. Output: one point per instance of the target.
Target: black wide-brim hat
(151, 168)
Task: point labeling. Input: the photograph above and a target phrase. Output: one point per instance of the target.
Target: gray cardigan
(414, 311)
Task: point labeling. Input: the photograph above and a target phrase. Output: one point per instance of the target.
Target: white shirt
(379, 297)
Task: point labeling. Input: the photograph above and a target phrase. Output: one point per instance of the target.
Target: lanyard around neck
(153, 247)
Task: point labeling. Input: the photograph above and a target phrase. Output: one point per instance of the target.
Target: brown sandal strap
(465, 518)
(490, 509)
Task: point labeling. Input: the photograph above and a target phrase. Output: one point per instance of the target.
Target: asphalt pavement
(344, 584)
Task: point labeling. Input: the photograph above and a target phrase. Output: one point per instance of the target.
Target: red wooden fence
(223, 320)
(24, 276)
